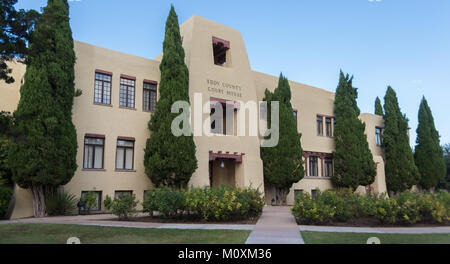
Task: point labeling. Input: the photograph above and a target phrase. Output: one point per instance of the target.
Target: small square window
(220, 50)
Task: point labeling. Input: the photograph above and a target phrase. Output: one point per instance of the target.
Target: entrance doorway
(222, 172)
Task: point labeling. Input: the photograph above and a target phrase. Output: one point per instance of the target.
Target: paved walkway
(379, 230)
(104, 220)
(276, 226)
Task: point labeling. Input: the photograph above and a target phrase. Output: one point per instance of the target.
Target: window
(329, 129)
(102, 90)
(313, 166)
(328, 167)
(295, 115)
(125, 155)
(378, 136)
(127, 92)
(297, 193)
(93, 152)
(149, 97)
(98, 200)
(314, 193)
(219, 124)
(220, 50)
(145, 195)
(117, 194)
(319, 125)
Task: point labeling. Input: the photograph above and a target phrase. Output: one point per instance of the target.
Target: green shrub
(167, 202)
(60, 203)
(123, 206)
(386, 211)
(409, 211)
(6, 193)
(436, 207)
(342, 205)
(313, 211)
(90, 201)
(108, 202)
(210, 204)
(224, 203)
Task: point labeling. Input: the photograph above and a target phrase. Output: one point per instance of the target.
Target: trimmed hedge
(343, 205)
(226, 203)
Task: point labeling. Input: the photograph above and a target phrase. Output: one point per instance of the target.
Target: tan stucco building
(119, 95)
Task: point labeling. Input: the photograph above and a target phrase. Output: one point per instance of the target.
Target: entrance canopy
(227, 155)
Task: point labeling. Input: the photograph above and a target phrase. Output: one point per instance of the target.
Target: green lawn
(361, 238)
(58, 234)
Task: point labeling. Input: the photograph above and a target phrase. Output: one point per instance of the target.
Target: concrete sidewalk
(104, 220)
(276, 226)
(379, 230)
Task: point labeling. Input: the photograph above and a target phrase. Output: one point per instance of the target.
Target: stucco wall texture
(234, 81)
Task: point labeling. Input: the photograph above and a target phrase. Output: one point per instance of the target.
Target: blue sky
(402, 43)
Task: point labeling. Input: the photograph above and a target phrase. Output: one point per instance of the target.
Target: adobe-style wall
(235, 81)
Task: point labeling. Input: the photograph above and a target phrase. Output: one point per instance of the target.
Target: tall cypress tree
(43, 153)
(283, 164)
(401, 172)
(378, 107)
(444, 183)
(170, 160)
(428, 155)
(353, 160)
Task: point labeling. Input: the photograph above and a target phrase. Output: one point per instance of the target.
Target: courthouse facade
(119, 96)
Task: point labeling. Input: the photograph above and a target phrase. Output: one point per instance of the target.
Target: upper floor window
(328, 167)
(320, 125)
(102, 90)
(125, 154)
(127, 91)
(93, 152)
(378, 135)
(329, 127)
(313, 166)
(220, 50)
(330, 123)
(149, 96)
